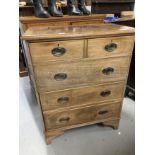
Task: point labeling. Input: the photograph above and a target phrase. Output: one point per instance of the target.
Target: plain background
(145, 77)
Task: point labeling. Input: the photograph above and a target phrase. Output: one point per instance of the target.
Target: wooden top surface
(76, 32)
(33, 19)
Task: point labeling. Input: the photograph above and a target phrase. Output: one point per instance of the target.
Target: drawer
(84, 95)
(64, 118)
(55, 76)
(59, 50)
(110, 47)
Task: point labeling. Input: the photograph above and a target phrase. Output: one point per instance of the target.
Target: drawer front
(110, 47)
(56, 76)
(64, 118)
(79, 96)
(59, 50)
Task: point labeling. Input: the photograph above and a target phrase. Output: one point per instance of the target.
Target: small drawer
(58, 76)
(80, 96)
(68, 117)
(110, 47)
(59, 50)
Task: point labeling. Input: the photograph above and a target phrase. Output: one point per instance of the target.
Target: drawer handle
(58, 51)
(105, 93)
(63, 100)
(65, 119)
(102, 112)
(108, 71)
(110, 47)
(60, 76)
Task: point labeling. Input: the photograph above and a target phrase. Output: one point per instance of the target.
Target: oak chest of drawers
(78, 73)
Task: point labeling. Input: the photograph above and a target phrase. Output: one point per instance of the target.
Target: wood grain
(80, 73)
(81, 96)
(96, 47)
(76, 23)
(58, 119)
(76, 32)
(112, 123)
(32, 21)
(51, 134)
(42, 51)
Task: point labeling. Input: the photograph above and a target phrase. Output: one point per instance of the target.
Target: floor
(91, 140)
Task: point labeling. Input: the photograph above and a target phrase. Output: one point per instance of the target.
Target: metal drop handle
(105, 93)
(64, 119)
(102, 112)
(110, 47)
(108, 70)
(58, 51)
(60, 76)
(63, 100)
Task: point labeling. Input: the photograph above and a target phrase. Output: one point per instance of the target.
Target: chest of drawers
(78, 73)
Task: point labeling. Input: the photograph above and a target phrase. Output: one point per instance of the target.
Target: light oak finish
(82, 96)
(86, 22)
(42, 52)
(112, 123)
(32, 21)
(62, 118)
(76, 32)
(51, 134)
(83, 84)
(127, 14)
(96, 47)
(80, 73)
(65, 18)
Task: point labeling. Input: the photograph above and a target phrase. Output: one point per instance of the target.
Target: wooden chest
(79, 73)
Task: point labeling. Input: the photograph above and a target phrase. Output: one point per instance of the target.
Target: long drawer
(64, 118)
(110, 47)
(58, 50)
(80, 96)
(57, 76)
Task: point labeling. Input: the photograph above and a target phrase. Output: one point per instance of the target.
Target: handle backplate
(110, 47)
(102, 112)
(105, 93)
(58, 51)
(108, 70)
(60, 76)
(64, 119)
(63, 100)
